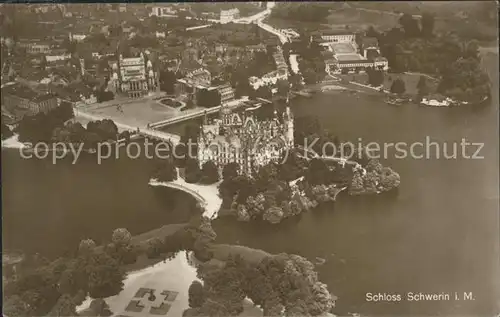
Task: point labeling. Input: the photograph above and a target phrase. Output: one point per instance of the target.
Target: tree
(121, 237)
(375, 77)
(167, 172)
(98, 307)
(105, 276)
(208, 98)
(283, 87)
(192, 170)
(410, 25)
(196, 294)
(167, 81)
(427, 24)
(398, 86)
(14, 306)
(422, 86)
(318, 172)
(273, 215)
(64, 307)
(210, 173)
(86, 246)
(6, 132)
(230, 170)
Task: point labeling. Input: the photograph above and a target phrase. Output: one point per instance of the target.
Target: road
(175, 139)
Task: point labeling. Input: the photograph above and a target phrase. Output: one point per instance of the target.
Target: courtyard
(343, 48)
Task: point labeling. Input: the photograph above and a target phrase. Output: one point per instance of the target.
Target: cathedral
(241, 138)
(133, 76)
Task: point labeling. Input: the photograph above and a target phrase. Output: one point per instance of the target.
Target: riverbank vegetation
(54, 288)
(278, 284)
(414, 46)
(39, 128)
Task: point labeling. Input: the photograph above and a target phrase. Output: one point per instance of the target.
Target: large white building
(335, 66)
(338, 37)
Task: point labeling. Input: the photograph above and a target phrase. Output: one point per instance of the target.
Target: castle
(243, 139)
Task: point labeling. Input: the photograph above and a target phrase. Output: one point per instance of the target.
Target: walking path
(206, 195)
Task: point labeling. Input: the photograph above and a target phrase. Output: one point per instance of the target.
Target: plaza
(136, 112)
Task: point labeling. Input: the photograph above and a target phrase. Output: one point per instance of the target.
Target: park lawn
(357, 20)
(160, 233)
(221, 252)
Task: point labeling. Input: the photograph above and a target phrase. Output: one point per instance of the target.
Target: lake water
(439, 234)
(49, 208)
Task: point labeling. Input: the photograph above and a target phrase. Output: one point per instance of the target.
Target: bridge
(196, 114)
(143, 131)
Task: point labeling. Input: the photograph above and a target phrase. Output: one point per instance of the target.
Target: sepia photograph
(252, 158)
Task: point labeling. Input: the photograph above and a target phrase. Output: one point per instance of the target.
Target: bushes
(209, 173)
(196, 294)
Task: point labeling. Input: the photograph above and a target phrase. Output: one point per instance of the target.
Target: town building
(226, 93)
(134, 76)
(193, 81)
(35, 46)
(22, 100)
(227, 16)
(338, 37)
(243, 139)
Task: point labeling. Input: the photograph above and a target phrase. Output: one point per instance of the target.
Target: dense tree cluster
(414, 46)
(311, 62)
(398, 86)
(376, 180)
(39, 128)
(44, 288)
(375, 77)
(280, 283)
(95, 133)
(208, 98)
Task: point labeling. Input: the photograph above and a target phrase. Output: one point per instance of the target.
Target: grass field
(222, 251)
(356, 20)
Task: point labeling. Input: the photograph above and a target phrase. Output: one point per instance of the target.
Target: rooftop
(335, 32)
(349, 57)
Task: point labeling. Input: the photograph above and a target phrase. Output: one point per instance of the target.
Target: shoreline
(206, 195)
